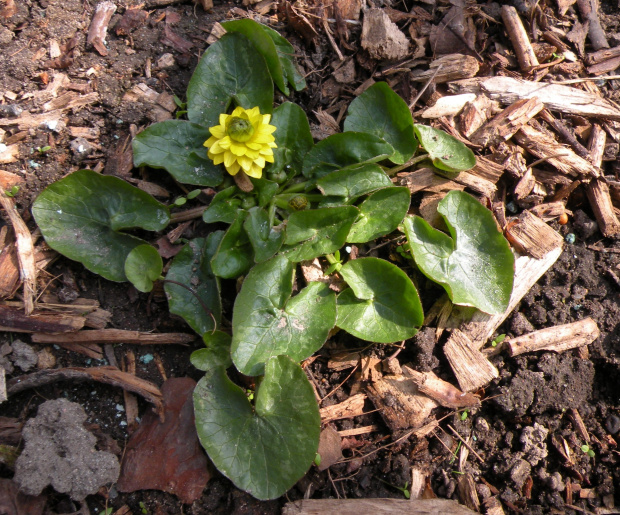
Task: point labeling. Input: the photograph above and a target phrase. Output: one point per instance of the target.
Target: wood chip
(358, 431)
(466, 489)
(530, 235)
(352, 407)
(381, 38)
(519, 39)
(471, 368)
(375, 506)
(558, 338)
(452, 67)
(441, 391)
(98, 29)
(103, 336)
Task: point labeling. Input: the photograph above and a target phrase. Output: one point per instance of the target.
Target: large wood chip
(375, 506)
(452, 67)
(352, 407)
(441, 391)
(471, 368)
(381, 38)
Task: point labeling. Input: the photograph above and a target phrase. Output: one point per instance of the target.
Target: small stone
(81, 149)
(483, 490)
(24, 356)
(584, 226)
(612, 424)
(534, 445)
(554, 481)
(166, 61)
(10, 110)
(520, 325)
(481, 425)
(520, 472)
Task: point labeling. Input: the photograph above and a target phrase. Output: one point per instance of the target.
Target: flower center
(239, 129)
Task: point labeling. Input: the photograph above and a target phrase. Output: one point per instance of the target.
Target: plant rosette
(288, 200)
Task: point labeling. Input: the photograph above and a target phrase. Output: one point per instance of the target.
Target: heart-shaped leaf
(192, 268)
(265, 240)
(381, 305)
(343, 150)
(380, 111)
(351, 183)
(230, 70)
(217, 353)
(143, 266)
(446, 152)
(233, 256)
(380, 214)
(268, 322)
(177, 146)
(293, 137)
(286, 53)
(81, 215)
(267, 448)
(475, 265)
(316, 232)
(223, 207)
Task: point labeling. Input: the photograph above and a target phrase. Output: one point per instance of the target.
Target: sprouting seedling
(180, 201)
(44, 150)
(335, 263)
(404, 489)
(317, 459)
(586, 449)
(464, 414)
(12, 192)
(498, 339)
(143, 509)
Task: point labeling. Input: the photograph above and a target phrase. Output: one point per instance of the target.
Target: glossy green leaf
(81, 217)
(475, 265)
(344, 150)
(267, 448)
(446, 152)
(380, 214)
(231, 70)
(316, 232)
(192, 268)
(264, 190)
(233, 256)
(178, 147)
(354, 182)
(143, 266)
(381, 305)
(267, 322)
(216, 354)
(286, 53)
(380, 111)
(292, 136)
(223, 207)
(263, 42)
(265, 240)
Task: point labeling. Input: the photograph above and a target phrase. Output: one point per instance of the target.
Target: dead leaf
(330, 448)
(167, 456)
(13, 502)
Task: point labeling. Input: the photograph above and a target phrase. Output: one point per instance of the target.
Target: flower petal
(229, 158)
(233, 168)
(218, 131)
(239, 149)
(255, 172)
(223, 118)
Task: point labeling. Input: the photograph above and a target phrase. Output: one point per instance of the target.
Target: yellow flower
(242, 141)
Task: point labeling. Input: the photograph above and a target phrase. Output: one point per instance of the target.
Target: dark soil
(525, 414)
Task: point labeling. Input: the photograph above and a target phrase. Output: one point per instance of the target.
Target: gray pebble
(612, 424)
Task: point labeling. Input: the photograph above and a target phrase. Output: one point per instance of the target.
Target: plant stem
(408, 164)
(296, 188)
(331, 259)
(188, 214)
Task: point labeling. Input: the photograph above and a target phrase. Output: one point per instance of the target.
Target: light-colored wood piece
(493, 506)
(358, 431)
(519, 38)
(98, 29)
(448, 106)
(453, 67)
(441, 391)
(352, 407)
(103, 336)
(579, 425)
(418, 482)
(558, 339)
(563, 158)
(399, 402)
(556, 97)
(3, 395)
(467, 492)
(471, 368)
(503, 126)
(376, 507)
(530, 235)
(549, 210)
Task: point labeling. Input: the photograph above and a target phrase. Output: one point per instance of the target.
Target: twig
(465, 443)
(425, 87)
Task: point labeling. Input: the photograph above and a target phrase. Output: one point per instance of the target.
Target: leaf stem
(408, 164)
(296, 188)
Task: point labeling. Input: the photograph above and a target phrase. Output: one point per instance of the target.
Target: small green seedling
(12, 192)
(108, 511)
(335, 263)
(586, 449)
(44, 150)
(317, 460)
(499, 339)
(404, 489)
(181, 201)
(464, 414)
(143, 509)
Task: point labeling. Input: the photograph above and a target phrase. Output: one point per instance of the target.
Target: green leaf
(223, 207)
(380, 111)
(264, 44)
(293, 138)
(381, 305)
(265, 240)
(354, 182)
(344, 150)
(230, 70)
(234, 253)
(446, 152)
(178, 147)
(217, 353)
(143, 266)
(316, 232)
(286, 53)
(264, 190)
(192, 267)
(267, 322)
(267, 448)
(475, 265)
(380, 214)
(81, 217)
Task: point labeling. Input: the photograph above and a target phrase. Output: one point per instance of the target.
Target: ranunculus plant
(289, 200)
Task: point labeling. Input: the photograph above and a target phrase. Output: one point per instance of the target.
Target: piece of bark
(103, 336)
(330, 448)
(558, 339)
(352, 407)
(375, 506)
(313, 272)
(448, 106)
(3, 394)
(556, 97)
(358, 431)
(519, 38)
(493, 506)
(476, 113)
(343, 361)
(525, 185)
(167, 455)
(528, 271)
(579, 425)
(466, 489)
(92, 350)
(98, 29)
(10, 154)
(400, 403)
(605, 67)
(601, 56)
(503, 126)
(14, 319)
(453, 67)
(70, 100)
(559, 156)
(530, 235)
(471, 368)
(107, 375)
(589, 9)
(381, 38)
(549, 210)
(564, 133)
(441, 391)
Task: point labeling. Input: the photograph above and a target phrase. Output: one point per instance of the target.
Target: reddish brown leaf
(13, 502)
